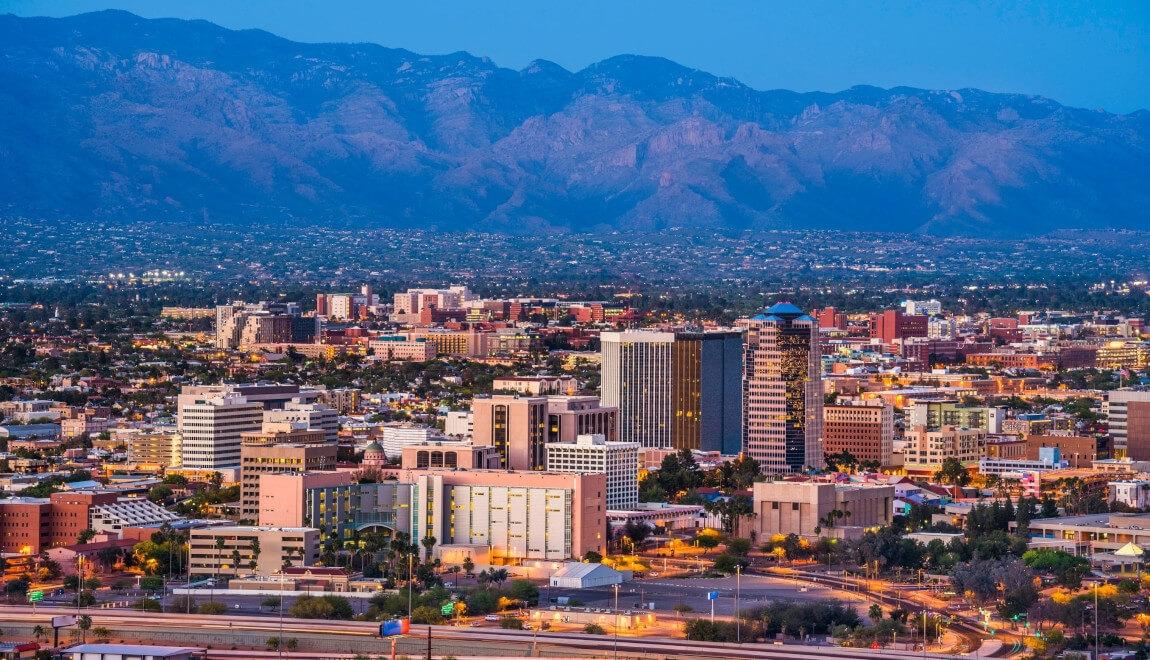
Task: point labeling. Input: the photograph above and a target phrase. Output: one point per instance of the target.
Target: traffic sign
(35, 596)
(448, 609)
(712, 595)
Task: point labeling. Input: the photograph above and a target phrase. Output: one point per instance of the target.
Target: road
(755, 591)
(361, 637)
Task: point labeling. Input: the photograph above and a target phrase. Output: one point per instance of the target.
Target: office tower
(676, 390)
(211, 428)
(783, 394)
(516, 425)
(865, 429)
(1128, 418)
(594, 454)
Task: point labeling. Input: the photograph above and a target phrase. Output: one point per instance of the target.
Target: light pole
(738, 623)
(616, 621)
(1096, 619)
(409, 560)
(924, 633)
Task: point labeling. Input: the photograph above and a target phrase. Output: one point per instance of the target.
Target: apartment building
(865, 429)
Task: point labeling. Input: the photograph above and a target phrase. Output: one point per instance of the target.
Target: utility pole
(429, 643)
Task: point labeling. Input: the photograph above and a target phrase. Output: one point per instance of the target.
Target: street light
(616, 585)
(738, 623)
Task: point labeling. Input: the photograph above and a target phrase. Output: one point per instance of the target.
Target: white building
(1134, 493)
(1127, 414)
(210, 428)
(395, 438)
(922, 307)
(592, 454)
(314, 415)
(578, 575)
(636, 379)
(128, 512)
(459, 423)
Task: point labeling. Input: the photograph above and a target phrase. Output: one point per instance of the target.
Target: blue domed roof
(766, 317)
(784, 308)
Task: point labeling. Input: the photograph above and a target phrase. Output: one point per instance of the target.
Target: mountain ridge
(113, 115)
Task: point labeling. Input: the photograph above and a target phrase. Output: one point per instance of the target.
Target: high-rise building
(783, 394)
(516, 425)
(211, 428)
(1128, 418)
(679, 390)
(864, 429)
(594, 454)
(273, 453)
(571, 416)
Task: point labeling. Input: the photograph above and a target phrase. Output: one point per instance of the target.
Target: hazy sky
(1090, 54)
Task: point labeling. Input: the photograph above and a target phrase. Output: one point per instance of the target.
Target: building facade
(678, 390)
(243, 550)
(1128, 419)
(865, 430)
(782, 390)
(515, 425)
(594, 454)
(816, 508)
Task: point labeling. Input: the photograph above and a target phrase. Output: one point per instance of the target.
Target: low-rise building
(236, 550)
(1134, 493)
(927, 449)
(810, 508)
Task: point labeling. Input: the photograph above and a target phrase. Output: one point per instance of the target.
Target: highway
(350, 637)
(972, 631)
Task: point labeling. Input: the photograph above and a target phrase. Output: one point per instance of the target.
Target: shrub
(426, 614)
(511, 623)
(594, 629)
(212, 608)
(148, 605)
(322, 607)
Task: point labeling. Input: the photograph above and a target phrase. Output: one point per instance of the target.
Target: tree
(592, 557)
(481, 602)
(85, 535)
(468, 565)
(101, 634)
(875, 612)
(730, 510)
(40, 633)
(594, 629)
(953, 472)
(726, 563)
(1067, 569)
(428, 542)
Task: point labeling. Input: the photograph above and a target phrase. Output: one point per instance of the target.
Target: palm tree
(40, 633)
(428, 542)
(84, 624)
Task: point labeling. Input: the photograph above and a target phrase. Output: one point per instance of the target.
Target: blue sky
(1089, 54)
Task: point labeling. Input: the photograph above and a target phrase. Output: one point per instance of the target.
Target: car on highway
(491, 617)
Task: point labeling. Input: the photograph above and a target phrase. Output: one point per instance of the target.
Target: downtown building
(1128, 419)
(594, 454)
(783, 393)
(675, 390)
(520, 427)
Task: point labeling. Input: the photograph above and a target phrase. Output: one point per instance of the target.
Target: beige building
(268, 453)
(788, 507)
(515, 425)
(450, 455)
(927, 449)
(211, 428)
(261, 550)
(865, 429)
(161, 449)
(402, 349)
(569, 417)
(536, 385)
(511, 515)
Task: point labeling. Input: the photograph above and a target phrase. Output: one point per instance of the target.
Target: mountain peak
(113, 115)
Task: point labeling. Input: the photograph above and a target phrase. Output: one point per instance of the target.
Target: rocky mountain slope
(109, 115)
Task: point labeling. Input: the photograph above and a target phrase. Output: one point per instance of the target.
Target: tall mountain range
(109, 115)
